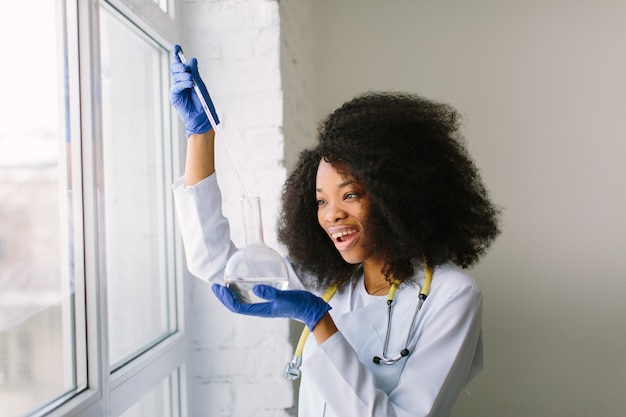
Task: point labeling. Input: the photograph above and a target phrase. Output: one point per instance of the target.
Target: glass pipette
(215, 129)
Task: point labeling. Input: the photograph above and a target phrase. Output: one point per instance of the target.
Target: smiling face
(343, 206)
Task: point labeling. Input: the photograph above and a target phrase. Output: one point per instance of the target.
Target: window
(163, 4)
(136, 175)
(160, 401)
(91, 289)
(38, 339)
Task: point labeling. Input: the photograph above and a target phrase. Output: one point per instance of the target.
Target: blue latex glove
(292, 304)
(184, 98)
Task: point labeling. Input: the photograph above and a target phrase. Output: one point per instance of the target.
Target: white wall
(237, 361)
(542, 87)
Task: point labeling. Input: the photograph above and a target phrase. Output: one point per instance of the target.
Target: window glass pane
(162, 401)
(136, 180)
(37, 345)
(163, 4)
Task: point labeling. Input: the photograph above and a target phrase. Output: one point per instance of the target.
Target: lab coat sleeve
(433, 376)
(206, 232)
(204, 229)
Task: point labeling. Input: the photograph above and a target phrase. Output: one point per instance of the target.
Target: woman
(388, 205)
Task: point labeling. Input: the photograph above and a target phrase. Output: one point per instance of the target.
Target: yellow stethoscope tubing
(330, 292)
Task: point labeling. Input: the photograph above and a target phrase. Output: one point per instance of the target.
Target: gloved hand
(293, 304)
(184, 98)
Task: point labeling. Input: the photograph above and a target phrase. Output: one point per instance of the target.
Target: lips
(344, 238)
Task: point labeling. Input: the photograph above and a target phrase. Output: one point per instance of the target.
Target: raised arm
(200, 160)
(204, 229)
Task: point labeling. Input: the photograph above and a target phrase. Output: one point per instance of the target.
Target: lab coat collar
(351, 322)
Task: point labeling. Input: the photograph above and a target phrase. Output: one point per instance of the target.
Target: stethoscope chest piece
(292, 370)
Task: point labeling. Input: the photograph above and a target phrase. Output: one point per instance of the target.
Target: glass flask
(255, 263)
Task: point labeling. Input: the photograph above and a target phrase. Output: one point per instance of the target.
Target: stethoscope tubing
(292, 370)
(404, 352)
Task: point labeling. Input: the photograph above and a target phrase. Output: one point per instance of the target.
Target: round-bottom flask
(255, 263)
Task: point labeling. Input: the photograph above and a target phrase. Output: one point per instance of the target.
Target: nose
(334, 212)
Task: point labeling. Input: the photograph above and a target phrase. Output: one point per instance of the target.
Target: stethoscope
(292, 370)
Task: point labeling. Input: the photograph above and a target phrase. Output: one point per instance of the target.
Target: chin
(352, 260)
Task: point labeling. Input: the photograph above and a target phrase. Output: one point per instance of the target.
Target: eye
(320, 202)
(350, 196)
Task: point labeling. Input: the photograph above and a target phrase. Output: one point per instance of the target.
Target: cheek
(363, 212)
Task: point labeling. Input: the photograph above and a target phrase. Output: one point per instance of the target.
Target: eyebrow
(342, 185)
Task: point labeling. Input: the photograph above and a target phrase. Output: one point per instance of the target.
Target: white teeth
(340, 234)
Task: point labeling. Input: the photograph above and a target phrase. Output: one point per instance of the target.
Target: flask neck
(252, 221)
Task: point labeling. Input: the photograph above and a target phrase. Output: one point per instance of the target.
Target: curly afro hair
(429, 203)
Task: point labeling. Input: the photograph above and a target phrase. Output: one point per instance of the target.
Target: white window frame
(110, 394)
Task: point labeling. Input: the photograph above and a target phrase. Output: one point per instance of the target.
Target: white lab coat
(339, 378)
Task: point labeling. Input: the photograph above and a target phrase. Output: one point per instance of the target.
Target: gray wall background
(542, 88)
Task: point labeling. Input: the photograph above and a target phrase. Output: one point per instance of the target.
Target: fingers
(265, 292)
(225, 297)
(180, 86)
(178, 68)
(182, 72)
(193, 66)
(177, 49)
(181, 78)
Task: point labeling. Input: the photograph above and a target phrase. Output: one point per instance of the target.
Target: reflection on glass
(37, 346)
(140, 288)
(162, 401)
(163, 4)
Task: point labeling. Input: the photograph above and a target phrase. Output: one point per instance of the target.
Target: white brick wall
(236, 361)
